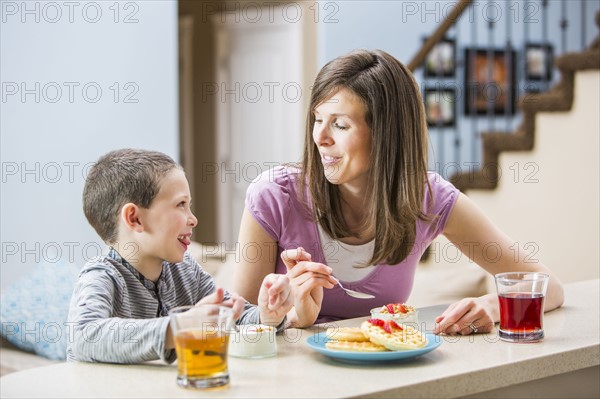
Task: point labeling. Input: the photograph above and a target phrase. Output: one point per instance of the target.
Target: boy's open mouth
(184, 239)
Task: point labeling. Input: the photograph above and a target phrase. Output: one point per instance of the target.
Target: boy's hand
(236, 302)
(274, 299)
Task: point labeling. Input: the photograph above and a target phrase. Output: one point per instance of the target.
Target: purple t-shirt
(273, 201)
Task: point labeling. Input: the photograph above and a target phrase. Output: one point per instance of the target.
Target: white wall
(49, 139)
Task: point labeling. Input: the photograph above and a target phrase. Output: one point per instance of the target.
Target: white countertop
(460, 366)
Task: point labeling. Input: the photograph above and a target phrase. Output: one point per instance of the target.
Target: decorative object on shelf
(441, 60)
(490, 84)
(539, 61)
(440, 106)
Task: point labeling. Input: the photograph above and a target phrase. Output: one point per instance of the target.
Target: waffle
(393, 336)
(350, 334)
(365, 346)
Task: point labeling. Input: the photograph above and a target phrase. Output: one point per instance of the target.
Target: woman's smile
(329, 160)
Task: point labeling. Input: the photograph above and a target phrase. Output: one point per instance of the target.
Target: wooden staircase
(482, 181)
(558, 99)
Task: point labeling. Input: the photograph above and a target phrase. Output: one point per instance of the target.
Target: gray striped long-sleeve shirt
(118, 316)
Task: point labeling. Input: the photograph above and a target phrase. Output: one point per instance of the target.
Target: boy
(139, 203)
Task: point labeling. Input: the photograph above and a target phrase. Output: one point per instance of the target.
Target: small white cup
(253, 341)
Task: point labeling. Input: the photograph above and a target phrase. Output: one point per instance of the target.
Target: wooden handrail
(439, 33)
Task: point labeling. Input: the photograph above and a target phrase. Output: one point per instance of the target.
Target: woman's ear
(130, 215)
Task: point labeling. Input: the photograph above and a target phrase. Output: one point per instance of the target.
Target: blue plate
(317, 343)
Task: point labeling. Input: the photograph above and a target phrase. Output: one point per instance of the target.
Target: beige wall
(559, 213)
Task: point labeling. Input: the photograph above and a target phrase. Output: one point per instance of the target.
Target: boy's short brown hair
(120, 177)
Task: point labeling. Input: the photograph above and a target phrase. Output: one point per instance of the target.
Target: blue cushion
(34, 310)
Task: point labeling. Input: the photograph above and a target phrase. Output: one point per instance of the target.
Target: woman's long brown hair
(398, 163)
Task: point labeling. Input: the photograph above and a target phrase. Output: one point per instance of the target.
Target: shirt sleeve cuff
(166, 355)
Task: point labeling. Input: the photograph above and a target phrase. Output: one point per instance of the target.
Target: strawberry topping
(395, 325)
(387, 328)
(390, 325)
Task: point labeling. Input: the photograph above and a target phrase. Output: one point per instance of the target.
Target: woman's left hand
(468, 316)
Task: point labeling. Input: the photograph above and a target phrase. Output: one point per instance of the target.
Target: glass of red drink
(521, 297)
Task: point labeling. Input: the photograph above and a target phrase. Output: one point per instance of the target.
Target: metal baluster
(583, 27)
(545, 20)
(564, 23)
(524, 57)
(424, 97)
(545, 44)
(457, 141)
(425, 84)
(507, 101)
(438, 122)
(431, 95)
(441, 136)
(473, 95)
(491, 105)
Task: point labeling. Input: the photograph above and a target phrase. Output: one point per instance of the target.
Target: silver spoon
(355, 294)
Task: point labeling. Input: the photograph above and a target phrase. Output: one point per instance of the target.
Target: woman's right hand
(307, 279)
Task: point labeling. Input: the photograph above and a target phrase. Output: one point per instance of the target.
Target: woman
(363, 207)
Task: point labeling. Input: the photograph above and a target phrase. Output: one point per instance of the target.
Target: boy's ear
(130, 214)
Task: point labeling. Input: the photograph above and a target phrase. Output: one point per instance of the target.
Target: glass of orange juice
(201, 335)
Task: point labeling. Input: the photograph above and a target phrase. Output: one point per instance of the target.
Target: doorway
(252, 69)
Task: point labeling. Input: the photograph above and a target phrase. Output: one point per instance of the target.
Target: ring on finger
(473, 328)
